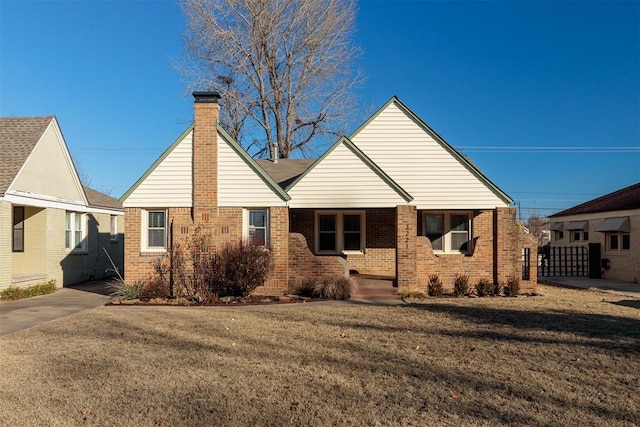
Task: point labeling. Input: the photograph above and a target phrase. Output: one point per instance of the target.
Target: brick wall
(139, 265)
(379, 256)
(303, 264)
(498, 240)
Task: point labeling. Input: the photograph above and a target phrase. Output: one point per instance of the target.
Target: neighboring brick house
(53, 228)
(394, 199)
(609, 227)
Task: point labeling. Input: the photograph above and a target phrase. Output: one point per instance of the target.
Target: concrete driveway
(28, 312)
(623, 288)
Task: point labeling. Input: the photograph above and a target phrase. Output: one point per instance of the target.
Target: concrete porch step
(374, 287)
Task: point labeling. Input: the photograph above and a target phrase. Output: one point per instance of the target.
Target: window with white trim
(620, 241)
(340, 232)
(257, 227)
(113, 228)
(154, 230)
(449, 232)
(75, 231)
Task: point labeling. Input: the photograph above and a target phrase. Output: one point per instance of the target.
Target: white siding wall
(238, 184)
(343, 180)
(420, 165)
(169, 185)
(48, 170)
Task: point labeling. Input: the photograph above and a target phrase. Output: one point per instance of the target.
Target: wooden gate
(564, 261)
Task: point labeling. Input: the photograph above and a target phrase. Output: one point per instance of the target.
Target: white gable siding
(48, 170)
(343, 180)
(169, 184)
(420, 165)
(239, 184)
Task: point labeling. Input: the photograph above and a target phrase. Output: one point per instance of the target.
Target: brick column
(507, 250)
(205, 158)
(406, 235)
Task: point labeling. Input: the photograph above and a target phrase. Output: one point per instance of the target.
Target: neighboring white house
(609, 224)
(51, 227)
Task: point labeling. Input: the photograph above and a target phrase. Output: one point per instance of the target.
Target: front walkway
(25, 313)
(623, 288)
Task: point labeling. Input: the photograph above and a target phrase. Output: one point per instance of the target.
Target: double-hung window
(75, 231)
(156, 237)
(620, 241)
(340, 232)
(448, 231)
(257, 227)
(17, 242)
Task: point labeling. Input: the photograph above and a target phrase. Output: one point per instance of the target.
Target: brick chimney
(206, 111)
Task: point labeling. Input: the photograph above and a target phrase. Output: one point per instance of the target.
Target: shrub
(13, 292)
(461, 285)
(236, 270)
(435, 288)
(497, 288)
(512, 288)
(412, 292)
(154, 289)
(338, 288)
(485, 288)
(122, 291)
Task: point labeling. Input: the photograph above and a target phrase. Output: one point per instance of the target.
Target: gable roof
(364, 158)
(620, 200)
(285, 171)
(440, 140)
(234, 145)
(18, 137)
(97, 199)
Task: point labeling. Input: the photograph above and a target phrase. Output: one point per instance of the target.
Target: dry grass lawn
(568, 357)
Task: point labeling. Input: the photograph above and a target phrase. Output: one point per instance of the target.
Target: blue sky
(543, 96)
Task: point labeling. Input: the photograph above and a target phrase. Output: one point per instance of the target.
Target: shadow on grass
(633, 303)
(330, 370)
(596, 326)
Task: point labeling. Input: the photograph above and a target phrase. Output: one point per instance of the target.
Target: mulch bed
(224, 301)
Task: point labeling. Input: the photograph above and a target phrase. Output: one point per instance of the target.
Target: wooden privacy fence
(564, 261)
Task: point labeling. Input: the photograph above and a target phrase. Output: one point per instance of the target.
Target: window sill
(352, 253)
(441, 253)
(153, 250)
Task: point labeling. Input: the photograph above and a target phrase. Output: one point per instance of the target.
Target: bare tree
(536, 226)
(284, 68)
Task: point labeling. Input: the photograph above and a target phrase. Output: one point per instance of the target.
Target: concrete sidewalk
(623, 288)
(28, 312)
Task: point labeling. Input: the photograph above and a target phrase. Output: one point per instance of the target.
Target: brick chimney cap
(206, 96)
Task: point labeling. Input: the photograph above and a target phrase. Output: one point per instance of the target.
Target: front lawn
(568, 357)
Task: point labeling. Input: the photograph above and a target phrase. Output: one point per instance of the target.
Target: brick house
(609, 227)
(393, 199)
(52, 227)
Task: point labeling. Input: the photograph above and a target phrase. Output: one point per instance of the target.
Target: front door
(594, 261)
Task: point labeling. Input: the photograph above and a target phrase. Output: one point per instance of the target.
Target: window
(258, 227)
(75, 231)
(156, 230)
(18, 229)
(113, 228)
(559, 235)
(448, 231)
(579, 236)
(618, 241)
(339, 232)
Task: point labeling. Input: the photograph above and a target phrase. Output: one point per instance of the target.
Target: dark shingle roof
(18, 137)
(97, 199)
(626, 198)
(286, 170)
